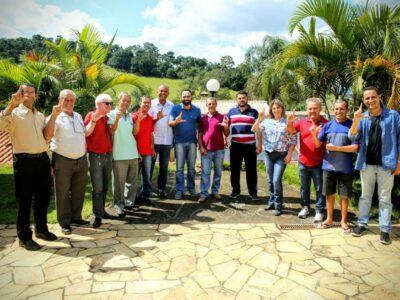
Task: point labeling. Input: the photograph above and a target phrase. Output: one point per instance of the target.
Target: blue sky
(200, 28)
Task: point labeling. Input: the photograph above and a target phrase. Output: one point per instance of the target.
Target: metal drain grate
(304, 226)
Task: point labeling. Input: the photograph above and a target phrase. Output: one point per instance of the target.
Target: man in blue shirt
(337, 164)
(378, 160)
(184, 119)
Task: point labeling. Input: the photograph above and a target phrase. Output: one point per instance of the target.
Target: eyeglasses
(107, 103)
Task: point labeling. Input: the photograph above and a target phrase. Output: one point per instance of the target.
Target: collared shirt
(99, 141)
(241, 123)
(275, 135)
(163, 134)
(186, 132)
(26, 130)
(336, 133)
(69, 136)
(144, 138)
(124, 144)
(390, 125)
(309, 155)
(213, 134)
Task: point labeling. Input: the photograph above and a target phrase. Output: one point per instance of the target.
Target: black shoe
(254, 198)
(97, 223)
(80, 222)
(277, 212)
(66, 229)
(47, 236)
(269, 207)
(106, 215)
(163, 195)
(234, 195)
(358, 231)
(385, 238)
(30, 245)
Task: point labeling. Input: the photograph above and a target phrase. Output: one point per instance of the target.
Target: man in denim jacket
(378, 160)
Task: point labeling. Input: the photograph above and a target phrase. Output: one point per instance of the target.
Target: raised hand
(160, 114)
(57, 109)
(141, 115)
(314, 129)
(358, 114)
(291, 118)
(17, 98)
(179, 119)
(96, 116)
(118, 114)
(224, 123)
(261, 114)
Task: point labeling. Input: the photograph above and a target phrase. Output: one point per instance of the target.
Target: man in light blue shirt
(125, 155)
(378, 133)
(184, 118)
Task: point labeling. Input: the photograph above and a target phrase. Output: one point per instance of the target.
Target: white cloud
(27, 16)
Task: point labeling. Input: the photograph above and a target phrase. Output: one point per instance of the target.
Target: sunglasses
(107, 103)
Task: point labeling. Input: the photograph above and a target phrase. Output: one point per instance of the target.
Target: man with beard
(310, 158)
(163, 136)
(184, 119)
(243, 145)
(99, 148)
(378, 160)
(32, 177)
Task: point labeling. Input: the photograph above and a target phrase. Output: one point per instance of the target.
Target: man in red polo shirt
(310, 158)
(143, 132)
(99, 148)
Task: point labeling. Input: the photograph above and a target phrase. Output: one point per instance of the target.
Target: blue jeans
(371, 175)
(163, 152)
(275, 166)
(100, 166)
(185, 152)
(216, 157)
(145, 169)
(306, 174)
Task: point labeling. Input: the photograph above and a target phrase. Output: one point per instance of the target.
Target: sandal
(325, 226)
(346, 230)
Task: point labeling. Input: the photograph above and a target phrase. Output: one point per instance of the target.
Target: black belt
(30, 155)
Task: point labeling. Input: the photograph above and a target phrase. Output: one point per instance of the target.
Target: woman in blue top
(279, 147)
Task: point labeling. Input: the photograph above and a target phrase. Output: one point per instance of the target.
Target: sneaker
(304, 212)
(234, 195)
(178, 196)
(358, 231)
(217, 196)
(202, 199)
(119, 210)
(385, 238)
(66, 229)
(29, 245)
(97, 223)
(254, 198)
(277, 212)
(319, 217)
(46, 235)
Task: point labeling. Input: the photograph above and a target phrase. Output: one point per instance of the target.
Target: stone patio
(224, 250)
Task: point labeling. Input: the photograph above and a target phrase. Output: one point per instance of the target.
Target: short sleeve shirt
(163, 134)
(186, 132)
(241, 123)
(213, 134)
(100, 140)
(144, 138)
(309, 155)
(275, 135)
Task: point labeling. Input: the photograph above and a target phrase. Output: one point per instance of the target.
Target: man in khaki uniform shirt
(32, 175)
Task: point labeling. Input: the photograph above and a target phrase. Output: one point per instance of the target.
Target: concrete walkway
(223, 251)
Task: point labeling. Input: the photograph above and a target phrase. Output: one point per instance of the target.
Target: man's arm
(203, 150)
(114, 126)
(290, 121)
(358, 116)
(48, 131)
(16, 99)
(348, 149)
(178, 120)
(259, 142)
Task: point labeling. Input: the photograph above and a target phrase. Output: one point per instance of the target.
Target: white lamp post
(213, 86)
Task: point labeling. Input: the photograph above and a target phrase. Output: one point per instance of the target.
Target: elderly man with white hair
(67, 133)
(99, 148)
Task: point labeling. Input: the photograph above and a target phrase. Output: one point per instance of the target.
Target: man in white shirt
(163, 135)
(67, 133)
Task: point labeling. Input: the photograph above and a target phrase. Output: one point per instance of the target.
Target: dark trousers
(32, 178)
(238, 152)
(163, 152)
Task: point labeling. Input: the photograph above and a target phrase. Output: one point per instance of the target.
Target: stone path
(200, 261)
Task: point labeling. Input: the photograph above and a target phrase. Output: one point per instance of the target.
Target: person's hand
(358, 114)
(287, 159)
(224, 123)
(330, 147)
(96, 116)
(57, 109)
(139, 158)
(397, 170)
(141, 116)
(291, 118)
(261, 115)
(179, 119)
(118, 115)
(203, 151)
(17, 98)
(160, 114)
(314, 129)
(154, 154)
(258, 149)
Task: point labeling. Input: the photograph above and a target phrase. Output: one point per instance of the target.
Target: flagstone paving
(201, 261)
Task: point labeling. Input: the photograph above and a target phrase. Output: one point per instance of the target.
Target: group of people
(122, 145)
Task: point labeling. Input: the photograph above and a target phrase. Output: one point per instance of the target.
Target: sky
(200, 28)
